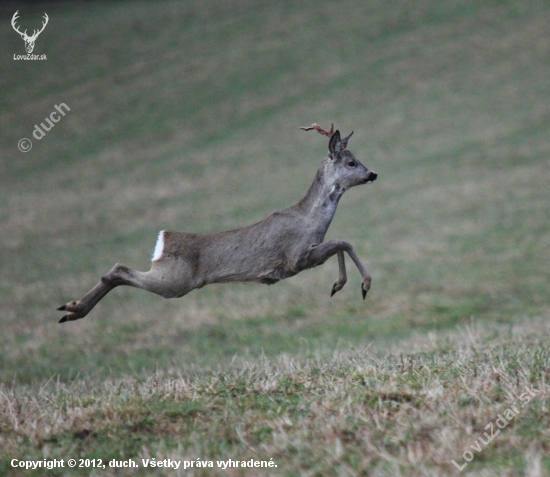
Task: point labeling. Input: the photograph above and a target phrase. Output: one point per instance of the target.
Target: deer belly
(275, 274)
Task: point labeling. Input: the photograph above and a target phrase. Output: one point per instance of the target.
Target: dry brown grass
(367, 410)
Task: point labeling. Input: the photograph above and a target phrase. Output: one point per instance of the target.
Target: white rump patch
(159, 247)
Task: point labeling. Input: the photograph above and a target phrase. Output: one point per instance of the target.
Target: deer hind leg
(153, 281)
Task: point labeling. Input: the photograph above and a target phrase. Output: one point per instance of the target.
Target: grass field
(185, 116)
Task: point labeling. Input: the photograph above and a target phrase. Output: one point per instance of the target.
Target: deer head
(29, 40)
(342, 168)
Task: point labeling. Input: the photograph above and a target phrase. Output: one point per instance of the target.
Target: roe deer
(278, 247)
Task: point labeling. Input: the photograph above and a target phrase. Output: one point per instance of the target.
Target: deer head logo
(29, 40)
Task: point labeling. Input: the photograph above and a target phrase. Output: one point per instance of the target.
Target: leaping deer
(278, 247)
(29, 40)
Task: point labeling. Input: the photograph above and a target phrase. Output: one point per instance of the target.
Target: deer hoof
(338, 285)
(365, 286)
(72, 316)
(71, 306)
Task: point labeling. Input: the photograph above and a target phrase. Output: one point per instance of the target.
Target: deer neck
(320, 203)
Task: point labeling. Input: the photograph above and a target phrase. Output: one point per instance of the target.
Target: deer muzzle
(371, 177)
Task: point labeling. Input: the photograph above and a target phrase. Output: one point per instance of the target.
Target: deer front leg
(320, 253)
(342, 277)
(367, 279)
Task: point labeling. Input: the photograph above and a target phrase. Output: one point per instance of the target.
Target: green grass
(185, 116)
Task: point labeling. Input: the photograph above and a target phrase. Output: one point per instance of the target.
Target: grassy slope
(186, 118)
(359, 412)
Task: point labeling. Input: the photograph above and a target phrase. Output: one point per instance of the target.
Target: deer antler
(37, 32)
(320, 130)
(13, 20)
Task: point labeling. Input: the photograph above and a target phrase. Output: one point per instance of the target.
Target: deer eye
(351, 163)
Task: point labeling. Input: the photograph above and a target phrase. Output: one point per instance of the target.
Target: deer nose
(371, 177)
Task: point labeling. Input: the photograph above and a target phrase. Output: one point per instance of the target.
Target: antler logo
(29, 40)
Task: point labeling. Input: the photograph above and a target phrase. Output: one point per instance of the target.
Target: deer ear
(346, 140)
(335, 144)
